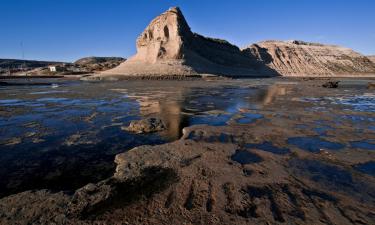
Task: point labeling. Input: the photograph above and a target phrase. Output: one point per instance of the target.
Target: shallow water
(368, 168)
(245, 157)
(66, 135)
(269, 147)
(314, 144)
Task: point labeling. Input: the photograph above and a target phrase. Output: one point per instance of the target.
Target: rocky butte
(168, 47)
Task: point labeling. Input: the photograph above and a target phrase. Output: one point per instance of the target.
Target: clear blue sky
(69, 29)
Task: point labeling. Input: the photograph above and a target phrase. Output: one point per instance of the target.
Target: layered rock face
(300, 58)
(169, 47)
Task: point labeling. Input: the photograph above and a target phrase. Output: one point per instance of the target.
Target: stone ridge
(296, 42)
(299, 58)
(168, 47)
(96, 60)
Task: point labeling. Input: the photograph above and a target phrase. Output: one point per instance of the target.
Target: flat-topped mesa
(168, 47)
(299, 58)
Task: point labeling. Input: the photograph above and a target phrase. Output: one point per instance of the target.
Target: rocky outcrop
(331, 84)
(97, 64)
(298, 58)
(168, 47)
(98, 60)
(372, 58)
(148, 125)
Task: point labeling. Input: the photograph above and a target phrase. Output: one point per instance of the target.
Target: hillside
(298, 58)
(16, 63)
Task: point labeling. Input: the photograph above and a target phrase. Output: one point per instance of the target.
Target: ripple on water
(314, 144)
(249, 118)
(52, 100)
(360, 103)
(16, 102)
(367, 168)
(269, 147)
(47, 92)
(363, 145)
(245, 157)
(215, 120)
(358, 118)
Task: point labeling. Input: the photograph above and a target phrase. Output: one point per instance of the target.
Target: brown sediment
(195, 181)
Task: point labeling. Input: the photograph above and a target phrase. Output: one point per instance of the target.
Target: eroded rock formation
(168, 47)
(298, 58)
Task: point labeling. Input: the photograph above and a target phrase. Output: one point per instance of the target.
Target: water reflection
(65, 137)
(184, 106)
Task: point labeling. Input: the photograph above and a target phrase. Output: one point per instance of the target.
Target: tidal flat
(237, 151)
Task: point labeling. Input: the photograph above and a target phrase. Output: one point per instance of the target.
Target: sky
(66, 30)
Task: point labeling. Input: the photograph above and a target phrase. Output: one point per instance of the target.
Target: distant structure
(55, 68)
(52, 68)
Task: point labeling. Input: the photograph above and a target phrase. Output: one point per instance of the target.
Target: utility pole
(23, 65)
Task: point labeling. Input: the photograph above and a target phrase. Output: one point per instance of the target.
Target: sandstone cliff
(168, 47)
(298, 58)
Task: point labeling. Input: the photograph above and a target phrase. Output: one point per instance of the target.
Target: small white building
(56, 68)
(52, 68)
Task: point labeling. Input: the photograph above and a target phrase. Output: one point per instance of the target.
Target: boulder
(148, 125)
(331, 84)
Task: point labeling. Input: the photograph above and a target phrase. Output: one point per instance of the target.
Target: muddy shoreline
(303, 163)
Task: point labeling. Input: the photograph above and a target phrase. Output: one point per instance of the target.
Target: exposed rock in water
(331, 84)
(168, 46)
(148, 125)
(298, 58)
